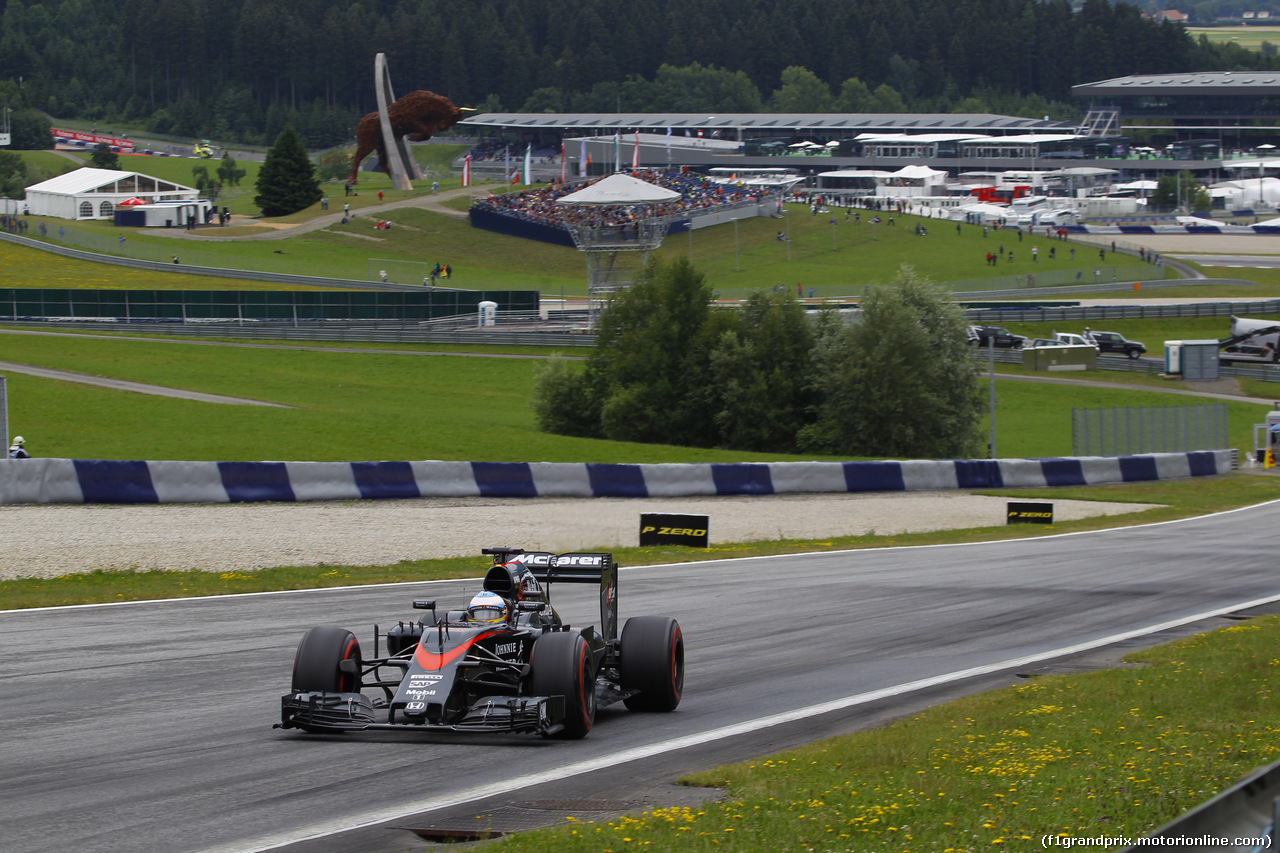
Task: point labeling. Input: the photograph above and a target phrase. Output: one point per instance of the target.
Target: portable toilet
(488, 313)
(1173, 358)
(1200, 361)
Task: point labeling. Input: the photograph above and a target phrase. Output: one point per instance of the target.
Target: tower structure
(618, 221)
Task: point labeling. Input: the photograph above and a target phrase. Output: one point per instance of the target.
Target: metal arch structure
(401, 167)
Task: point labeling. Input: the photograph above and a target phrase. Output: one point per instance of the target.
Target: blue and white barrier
(45, 481)
(1157, 226)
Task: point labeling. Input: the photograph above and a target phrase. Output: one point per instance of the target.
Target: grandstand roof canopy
(1192, 83)
(761, 123)
(620, 189)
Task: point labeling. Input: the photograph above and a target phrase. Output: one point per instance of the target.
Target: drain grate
(579, 805)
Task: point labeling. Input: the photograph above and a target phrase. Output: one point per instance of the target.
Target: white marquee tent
(96, 193)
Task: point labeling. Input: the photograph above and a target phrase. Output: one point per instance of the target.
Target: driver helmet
(18, 441)
(488, 607)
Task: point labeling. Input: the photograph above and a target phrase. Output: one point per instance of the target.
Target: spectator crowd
(540, 204)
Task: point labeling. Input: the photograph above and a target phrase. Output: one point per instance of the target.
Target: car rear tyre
(1133, 353)
(652, 663)
(561, 664)
(318, 665)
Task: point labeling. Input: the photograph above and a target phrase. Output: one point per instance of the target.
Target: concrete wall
(44, 481)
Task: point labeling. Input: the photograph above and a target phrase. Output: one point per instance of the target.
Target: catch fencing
(1130, 430)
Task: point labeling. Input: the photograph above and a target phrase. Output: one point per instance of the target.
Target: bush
(562, 401)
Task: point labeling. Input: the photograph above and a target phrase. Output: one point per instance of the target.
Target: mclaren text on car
(507, 663)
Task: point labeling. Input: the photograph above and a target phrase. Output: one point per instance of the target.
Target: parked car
(1067, 339)
(1114, 342)
(995, 335)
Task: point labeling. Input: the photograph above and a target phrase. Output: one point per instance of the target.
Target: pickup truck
(1114, 342)
(998, 336)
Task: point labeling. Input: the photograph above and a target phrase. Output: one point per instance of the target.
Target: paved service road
(148, 726)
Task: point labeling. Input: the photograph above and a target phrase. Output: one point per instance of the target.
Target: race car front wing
(344, 712)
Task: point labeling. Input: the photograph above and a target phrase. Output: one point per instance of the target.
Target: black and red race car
(507, 664)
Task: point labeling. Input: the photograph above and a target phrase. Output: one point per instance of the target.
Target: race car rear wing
(550, 568)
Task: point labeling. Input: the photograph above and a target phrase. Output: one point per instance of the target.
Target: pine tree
(287, 182)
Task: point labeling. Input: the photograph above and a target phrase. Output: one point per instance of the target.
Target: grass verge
(1057, 759)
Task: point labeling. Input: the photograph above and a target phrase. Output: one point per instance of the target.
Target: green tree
(104, 158)
(228, 172)
(898, 382)
(13, 175)
(855, 97)
(650, 364)
(801, 92)
(30, 131)
(545, 100)
(887, 100)
(287, 181)
(648, 378)
(760, 368)
(203, 181)
(564, 402)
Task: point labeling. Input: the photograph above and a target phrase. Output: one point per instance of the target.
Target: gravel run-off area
(47, 541)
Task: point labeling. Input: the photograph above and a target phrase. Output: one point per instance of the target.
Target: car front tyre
(561, 664)
(318, 664)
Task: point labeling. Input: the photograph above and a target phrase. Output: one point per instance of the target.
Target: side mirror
(531, 606)
(424, 604)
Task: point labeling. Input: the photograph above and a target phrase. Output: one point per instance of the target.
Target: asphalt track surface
(148, 726)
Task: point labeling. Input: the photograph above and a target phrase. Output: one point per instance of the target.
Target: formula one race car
(505, 664)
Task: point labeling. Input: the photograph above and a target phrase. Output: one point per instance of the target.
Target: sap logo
(674, 531)
(505, 649)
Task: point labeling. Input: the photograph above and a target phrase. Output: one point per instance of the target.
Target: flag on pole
(506, 163)
(635, 153)
(528, 164)
(668, 143)
(562, 159)
(583, 160)
(466, 171)
(617, 162)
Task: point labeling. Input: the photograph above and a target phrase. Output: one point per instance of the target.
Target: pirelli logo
(657, 528)
(1025, 512)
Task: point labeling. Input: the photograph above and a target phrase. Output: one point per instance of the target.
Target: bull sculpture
(418, 115)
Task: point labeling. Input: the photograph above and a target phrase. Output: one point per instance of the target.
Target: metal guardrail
(335, 330)
(1110, 287)
(1014, 314)
(1261, 372)
(215, 272)
(1243, 817)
